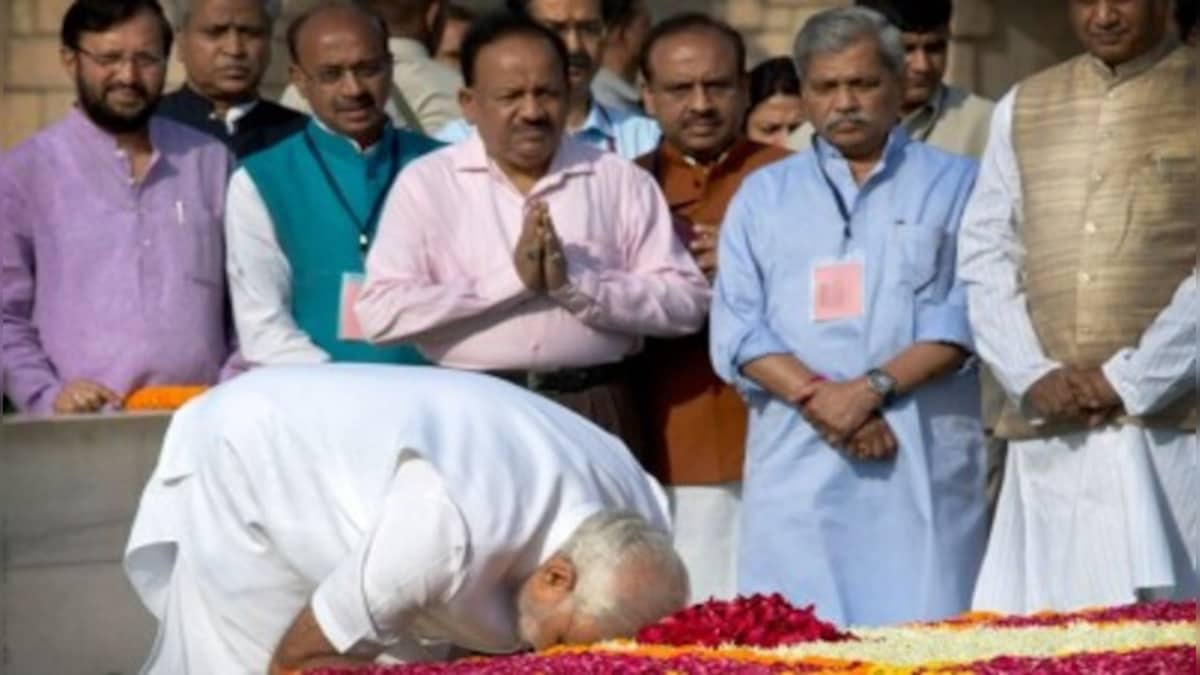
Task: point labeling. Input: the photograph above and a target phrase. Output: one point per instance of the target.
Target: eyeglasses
(328, 76)
(110, 61)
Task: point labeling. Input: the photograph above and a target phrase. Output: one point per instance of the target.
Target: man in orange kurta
(693, 67)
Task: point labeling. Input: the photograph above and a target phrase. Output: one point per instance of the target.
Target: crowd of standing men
(601, 209)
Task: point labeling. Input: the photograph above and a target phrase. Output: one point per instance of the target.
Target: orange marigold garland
(163, 397)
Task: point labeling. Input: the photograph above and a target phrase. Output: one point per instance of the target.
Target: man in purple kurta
(111, 257)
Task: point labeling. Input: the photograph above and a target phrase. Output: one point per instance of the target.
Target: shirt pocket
(916, 249)
(200, 236)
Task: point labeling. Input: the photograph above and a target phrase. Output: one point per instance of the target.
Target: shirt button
(1089, 227)
(1084, 277)
(1097, 176)
(146, 243)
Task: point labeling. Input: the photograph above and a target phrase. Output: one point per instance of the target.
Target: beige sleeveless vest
(1111, 207)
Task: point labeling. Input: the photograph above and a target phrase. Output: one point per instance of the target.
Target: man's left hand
(704, 248)
(839, 409)
(554, 262)
(1095, 394)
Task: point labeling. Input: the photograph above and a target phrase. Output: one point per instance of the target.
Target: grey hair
(834, 30)
(183, 11)
(606, 550)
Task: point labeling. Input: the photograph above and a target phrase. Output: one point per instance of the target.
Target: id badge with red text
(837, 289)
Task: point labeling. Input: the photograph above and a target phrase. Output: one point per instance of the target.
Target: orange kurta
(695, 423)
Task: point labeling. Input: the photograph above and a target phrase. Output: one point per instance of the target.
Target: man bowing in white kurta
(317, 515)
(1078, 250)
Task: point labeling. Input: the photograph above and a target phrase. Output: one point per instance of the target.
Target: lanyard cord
(362, 229)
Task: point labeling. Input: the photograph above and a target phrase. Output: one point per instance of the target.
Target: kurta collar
(733, 155)
(328, 140)
(104, 144)
(1130, 69)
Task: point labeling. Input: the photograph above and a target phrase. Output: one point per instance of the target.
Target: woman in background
(775, 109)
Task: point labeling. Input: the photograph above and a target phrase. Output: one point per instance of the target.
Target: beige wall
(996, 42)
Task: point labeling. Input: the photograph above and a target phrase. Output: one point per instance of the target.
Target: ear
(432, 14)
(555, 578)
(298, 79)
(70, 61)
(647, 99)
(469, 103)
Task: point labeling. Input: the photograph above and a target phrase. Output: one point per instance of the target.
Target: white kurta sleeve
(1162, 366)
(260, 284)
(990, 256)
(412, 558)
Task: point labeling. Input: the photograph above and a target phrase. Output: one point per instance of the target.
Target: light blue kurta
(869, 543)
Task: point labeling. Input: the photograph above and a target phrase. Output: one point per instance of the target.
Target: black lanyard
(843, 210)
(362, 229)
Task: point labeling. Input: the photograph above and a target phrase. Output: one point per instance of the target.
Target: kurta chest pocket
(915, 249)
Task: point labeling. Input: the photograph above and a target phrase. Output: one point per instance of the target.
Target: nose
(1106, 13)
(125, 72)
(531, 109)
(700, 101)
(918, 61)
(571, 38)
(844, 100)
(350, 85)
(233, 43)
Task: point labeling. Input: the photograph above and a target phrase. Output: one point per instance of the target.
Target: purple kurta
(106, 279)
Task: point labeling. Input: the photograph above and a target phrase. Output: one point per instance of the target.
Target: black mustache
(135, 88)
(363, 101)
(579, 60)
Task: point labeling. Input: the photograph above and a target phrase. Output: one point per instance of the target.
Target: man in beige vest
(1079, 249)
(933, 112)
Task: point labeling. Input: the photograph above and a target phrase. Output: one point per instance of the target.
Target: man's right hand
(1053, 397)
(530, 249)
(704, 248)
(83, 396)
(874, 440)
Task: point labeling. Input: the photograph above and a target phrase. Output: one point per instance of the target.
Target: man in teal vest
(301, 214)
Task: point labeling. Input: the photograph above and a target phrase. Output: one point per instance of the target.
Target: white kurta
(407, 503)
(1101, 517)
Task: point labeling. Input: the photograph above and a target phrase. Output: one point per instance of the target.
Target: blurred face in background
(774, 119)
(696, 90)
(1117, 31)
(451, 42)
(925, 58)
(580, 23)
(225, 47)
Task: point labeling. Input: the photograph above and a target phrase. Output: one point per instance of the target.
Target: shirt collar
(353, 144)
(1131, 69)
(898, 139)
(570, 159)
(232, 114)
(919, 123)
(407, 49)
(616, 84)
(600, 121)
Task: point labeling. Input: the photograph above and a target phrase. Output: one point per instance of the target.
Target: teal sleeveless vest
(320, 239)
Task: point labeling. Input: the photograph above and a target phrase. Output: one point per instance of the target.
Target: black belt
(562, 381)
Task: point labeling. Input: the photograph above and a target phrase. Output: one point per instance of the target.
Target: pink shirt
(440, 272)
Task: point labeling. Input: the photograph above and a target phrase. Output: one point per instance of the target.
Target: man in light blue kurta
(864, 472)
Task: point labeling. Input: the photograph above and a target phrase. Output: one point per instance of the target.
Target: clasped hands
(846, 415)
(538, 255)
(1075, 395)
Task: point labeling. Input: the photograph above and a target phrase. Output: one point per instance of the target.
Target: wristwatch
(881, 383)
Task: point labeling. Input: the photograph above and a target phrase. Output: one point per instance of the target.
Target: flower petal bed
(766, 635)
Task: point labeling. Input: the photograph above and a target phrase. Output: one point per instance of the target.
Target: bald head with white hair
(615, 574)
